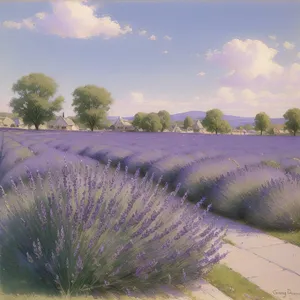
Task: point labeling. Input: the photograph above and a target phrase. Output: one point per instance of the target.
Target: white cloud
(248, 59)
(72, 19)
(272, 37)
(298, 55)
(201, 74)
(26, 23)
(289, 46)
(165, 52)
(226, 94)
(142, 32)
(152, 37)
(253, 79)
(168, 38)
(137, 97)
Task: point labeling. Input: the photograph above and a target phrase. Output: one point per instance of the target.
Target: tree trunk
(295, 133)
(261, 132)
(92, 128)
(36, 127)
(217, 131)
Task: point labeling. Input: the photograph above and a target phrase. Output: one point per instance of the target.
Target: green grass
(292, 237)
(235, 285)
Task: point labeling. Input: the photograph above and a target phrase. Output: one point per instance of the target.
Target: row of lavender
(82, 227)
(253, 178)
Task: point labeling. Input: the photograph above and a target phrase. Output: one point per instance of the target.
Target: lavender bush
(229, 194)
(83, 231)
(276, 205)
(143, 161)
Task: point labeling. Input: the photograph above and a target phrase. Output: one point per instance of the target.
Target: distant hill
(234, 121)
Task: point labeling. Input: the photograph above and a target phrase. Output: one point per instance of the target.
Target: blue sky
(179, 56)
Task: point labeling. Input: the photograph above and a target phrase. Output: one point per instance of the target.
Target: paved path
(202, 291)
(270, 263)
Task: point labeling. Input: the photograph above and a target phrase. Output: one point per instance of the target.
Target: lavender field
(253, 178)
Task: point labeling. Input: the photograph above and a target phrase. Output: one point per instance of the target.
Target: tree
(213, 121)
(91, 104)
(151, 123)
(34, 103)
(262, 122)
(138, 119)
(188, 122)
(165, 119)
(248, 127)
(292, 117)
(225, 127)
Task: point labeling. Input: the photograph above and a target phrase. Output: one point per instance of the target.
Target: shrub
(169, 167)
(50, 158)
(143, 161)
(276, 205)
(229, 194)
(200, 177)
(83, 231)
(14, 157)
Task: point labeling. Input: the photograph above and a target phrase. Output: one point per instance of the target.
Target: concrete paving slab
(286, 256)
(247, 263)
(282, 285)
(205, 291)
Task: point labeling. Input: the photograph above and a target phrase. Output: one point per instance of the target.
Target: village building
(176, 128)
(6, 122)
(122, 125)
(62, 123)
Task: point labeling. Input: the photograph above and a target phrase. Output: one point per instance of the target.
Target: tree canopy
(91, 104)
(151, 123)
(188, 122)
(262, 122)
(138, 119)
(292, 117)
(213, 122)
(34, 104)
(165, 119)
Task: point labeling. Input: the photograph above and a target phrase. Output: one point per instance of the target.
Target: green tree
(91, 104)
(34, 104)
(151, 123)
(262, 122)
(292, 117)
(138, 119)
(188, 122)
(165, 119)
(213, 121)
(225, 127)
(248, 127)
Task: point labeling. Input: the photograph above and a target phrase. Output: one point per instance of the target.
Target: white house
(62, 123)
(123, 125)
(6, 122)
(176, 128)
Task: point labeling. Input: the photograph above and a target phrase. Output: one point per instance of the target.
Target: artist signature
(286, 293)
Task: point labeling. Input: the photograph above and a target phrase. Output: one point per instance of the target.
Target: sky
(242, 57)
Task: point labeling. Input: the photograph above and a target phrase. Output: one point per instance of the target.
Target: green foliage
(262, 122)
(91, 104)
(292, 117)
(188, 122)
(165, 119)
(33, 104)
(138, 119)
(151, 123)
(213, 122)
(225, 127)
(246, 127)
(271, 130)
